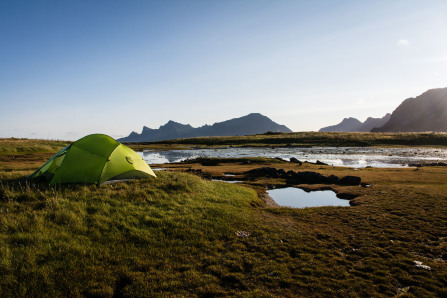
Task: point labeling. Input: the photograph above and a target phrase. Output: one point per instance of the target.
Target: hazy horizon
(69, 69)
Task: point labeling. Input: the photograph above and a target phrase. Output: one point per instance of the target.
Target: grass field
(28, 146)
(309, 139)
(179, 234)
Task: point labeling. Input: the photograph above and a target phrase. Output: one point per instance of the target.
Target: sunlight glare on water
(335, 156)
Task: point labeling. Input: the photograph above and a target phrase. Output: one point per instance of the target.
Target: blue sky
(71, 68)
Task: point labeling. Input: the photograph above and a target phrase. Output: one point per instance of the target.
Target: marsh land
(184, 234)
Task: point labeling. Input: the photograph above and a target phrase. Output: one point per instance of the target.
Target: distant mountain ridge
(250, 124)
(354, 125)
(426, 112)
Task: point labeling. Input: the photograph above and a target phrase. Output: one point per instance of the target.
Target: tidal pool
(298, 198)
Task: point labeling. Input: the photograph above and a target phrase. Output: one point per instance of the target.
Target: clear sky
(71, 68)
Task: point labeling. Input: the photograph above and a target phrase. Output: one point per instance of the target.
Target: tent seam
(102, 171)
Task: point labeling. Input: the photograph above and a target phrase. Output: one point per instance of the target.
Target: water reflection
(298, 198)
(228, 181)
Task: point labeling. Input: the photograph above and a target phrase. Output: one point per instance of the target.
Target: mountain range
(426, 112)
(352, 124)
(250, 124)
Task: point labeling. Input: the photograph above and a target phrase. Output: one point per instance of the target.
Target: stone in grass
(332, 179)
(321, 163)
(265, 172)
(242, 233)
(294, 160)
(350, 180)
(419, 265)
(306, 177)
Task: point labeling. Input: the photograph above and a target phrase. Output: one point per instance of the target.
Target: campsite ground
(187, 235)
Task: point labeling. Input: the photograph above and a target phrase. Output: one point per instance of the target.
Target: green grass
(139, 238)
(30, 146)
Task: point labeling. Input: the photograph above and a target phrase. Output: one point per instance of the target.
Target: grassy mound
(137, 238)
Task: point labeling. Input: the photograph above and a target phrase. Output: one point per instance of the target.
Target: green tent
(96, 158)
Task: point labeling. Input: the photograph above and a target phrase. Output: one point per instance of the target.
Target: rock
(346, 196)
(209, 163)
(332, 179)
(310, 178)
(281, 172)
(265, 172)
(321, 163)
(350, 180)
(419, 264)
(242, 233)
(306, 178)
(433, 164)
(199, 171)
(290, 173)
(294, 160)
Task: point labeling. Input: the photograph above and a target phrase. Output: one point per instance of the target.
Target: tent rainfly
(95, 158)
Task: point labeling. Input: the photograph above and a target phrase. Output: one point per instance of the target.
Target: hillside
(426, 112)
(354, 125)
(346, 125)
(254, 123)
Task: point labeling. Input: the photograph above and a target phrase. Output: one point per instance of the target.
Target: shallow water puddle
(159, 169)
(298, 198)
(228, 181)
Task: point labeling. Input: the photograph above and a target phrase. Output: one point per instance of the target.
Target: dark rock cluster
(294, 160)
(266, 172)
(306, 177)
(433, 164)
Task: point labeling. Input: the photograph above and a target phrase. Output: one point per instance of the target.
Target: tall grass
(115, 239)
(28, 146)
